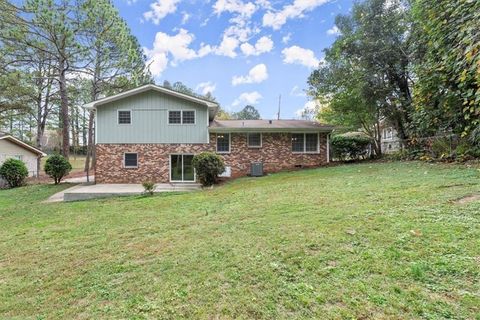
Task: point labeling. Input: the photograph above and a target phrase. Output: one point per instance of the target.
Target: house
(389, 139)
(152, 133)
(11, 147)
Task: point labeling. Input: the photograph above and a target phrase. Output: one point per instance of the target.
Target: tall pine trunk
(64, 109)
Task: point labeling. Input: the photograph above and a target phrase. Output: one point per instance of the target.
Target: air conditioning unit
(256, 169)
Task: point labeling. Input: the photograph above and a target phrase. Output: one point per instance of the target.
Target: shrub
(149, 187)
(350, 147)
(208, 166)
(57, 167)
(14, 172)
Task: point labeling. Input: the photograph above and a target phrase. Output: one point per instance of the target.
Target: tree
(113, 58)
(247, 113)
(367, 70)
(447, 91)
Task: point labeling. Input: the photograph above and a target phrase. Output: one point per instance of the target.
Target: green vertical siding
(150, 121)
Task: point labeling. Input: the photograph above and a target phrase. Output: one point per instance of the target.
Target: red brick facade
(154, 159)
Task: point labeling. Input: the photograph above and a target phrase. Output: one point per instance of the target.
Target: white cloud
(309, 110)
(160, 9)
(334, 31)
(257, 74)
(297, 92)
(206, 87)
(264, 44)
(298, 55)
(286, 38)
(234, 6)
(295, 10)
(227, 47)
(185, 17)
(247, 98)
(173, 49)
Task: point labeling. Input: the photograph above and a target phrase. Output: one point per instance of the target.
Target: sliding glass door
(181, 168)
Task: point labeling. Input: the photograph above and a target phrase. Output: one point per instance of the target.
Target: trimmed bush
(57, 167)
(350, 147)
(148, 187)
(14, 172)
(208, 166)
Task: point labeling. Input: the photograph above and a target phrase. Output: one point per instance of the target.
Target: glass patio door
(181, 168)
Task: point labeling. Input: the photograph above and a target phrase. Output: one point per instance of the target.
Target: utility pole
(279, 105)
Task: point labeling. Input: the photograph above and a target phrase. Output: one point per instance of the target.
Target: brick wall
(154, 159)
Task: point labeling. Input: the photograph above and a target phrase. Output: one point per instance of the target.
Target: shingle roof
(268, 125)
(6, 136)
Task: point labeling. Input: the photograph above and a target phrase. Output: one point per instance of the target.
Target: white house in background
(11, 147)
(390, 141)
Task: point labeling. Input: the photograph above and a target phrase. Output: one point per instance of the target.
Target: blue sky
(243, 52)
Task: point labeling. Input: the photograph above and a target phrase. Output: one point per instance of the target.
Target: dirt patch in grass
(468, 199)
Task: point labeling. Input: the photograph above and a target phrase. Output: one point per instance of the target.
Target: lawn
(368, 241)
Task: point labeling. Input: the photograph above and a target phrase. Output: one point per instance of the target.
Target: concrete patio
(94, 191)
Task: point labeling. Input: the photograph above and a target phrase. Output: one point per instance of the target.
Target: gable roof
(268, 126)
(213, 106)
(6, 136)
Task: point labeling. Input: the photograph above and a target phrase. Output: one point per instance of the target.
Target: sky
(243, 52)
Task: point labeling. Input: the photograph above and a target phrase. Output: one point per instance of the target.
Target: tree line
(411, 64)
(55, 56)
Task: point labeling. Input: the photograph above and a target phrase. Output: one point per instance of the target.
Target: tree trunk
(90, 147)
(64, 110)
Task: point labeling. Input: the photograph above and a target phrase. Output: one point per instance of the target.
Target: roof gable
(5, 136)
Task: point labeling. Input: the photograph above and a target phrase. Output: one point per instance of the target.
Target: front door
(181, 168)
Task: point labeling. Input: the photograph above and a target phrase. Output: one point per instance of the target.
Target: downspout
(328, 148)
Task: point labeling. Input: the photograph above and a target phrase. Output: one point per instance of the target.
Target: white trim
(168, 117)
(170, 168)
(148, 87)
(130, 167)
(248, 140)
(229, 143)
(118, 117)
(25, 145)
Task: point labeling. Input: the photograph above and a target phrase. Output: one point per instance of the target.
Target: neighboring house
(152, 133)
(390, 141)
(11, 147)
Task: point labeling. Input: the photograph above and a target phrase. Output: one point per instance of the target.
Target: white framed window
(130, 160)
(305, 143)
(18, 157)
(181, 117)
(223, 142)
(254, 140)
(124, 117)
(188, 117)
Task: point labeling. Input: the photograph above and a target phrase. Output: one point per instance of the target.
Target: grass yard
(368, 241)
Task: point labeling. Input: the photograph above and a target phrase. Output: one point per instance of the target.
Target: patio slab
(94, 191)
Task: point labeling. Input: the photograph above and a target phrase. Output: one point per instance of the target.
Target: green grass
(77, 162)
(369, 241)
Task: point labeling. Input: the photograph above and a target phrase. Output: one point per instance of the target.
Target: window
(297, 142)
(130, 160)
(254, 140)
(305, 142)
(223, 143)
(188, 117)
(181, 117)
(124, 117)
(174, 117)
(311, 142)
(19, 157)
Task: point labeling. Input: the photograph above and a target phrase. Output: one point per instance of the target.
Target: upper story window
(254, 140)
(124, 117)
(181, 117)
(130, 160)
(223, 142)
(305, 142)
